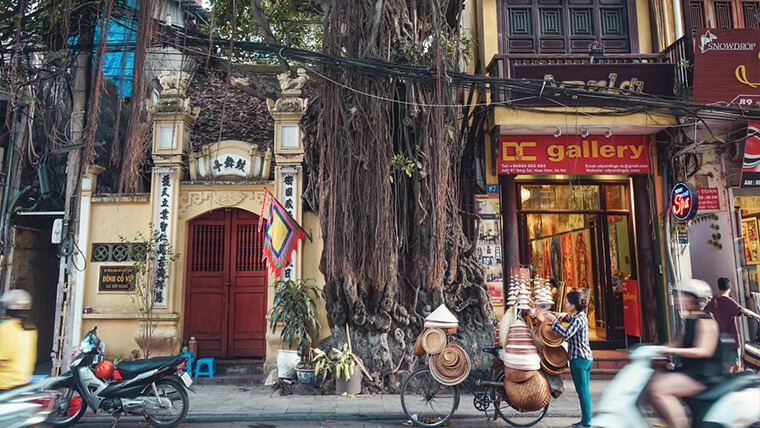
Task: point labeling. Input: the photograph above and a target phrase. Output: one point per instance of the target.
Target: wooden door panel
(207, 295)
(248, 291)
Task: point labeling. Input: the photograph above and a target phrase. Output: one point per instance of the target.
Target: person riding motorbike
(699, 351)
(18, 340)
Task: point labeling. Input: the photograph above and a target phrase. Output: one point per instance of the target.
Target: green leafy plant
(345, 361)
(715, 236)
(321, 361)
(295, 307)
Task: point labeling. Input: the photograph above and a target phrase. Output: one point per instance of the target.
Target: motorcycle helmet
(16, 300)
(695, 287)
(104, 370)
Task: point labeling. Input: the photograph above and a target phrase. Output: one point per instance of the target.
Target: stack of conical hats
(441, 318)
(512, 293)
(520, 352)
(523, 296)
(542, 295)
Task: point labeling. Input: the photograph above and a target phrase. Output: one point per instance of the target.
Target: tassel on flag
(281, 238)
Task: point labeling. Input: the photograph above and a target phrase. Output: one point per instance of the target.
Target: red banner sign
(709, 199)
(631, 307)
(751, 165)
(573, 155)
(727, 66)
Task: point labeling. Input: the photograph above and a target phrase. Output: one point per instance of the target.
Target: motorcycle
(730, 404)
(154, 388)
(27, 405)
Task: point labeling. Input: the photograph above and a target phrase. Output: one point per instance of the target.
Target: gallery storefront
(570, 212)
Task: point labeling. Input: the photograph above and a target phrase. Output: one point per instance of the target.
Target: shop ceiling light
(584, 132)
(524, 194)
(558, 132)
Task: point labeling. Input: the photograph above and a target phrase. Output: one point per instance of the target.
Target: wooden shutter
(723, 15)
(697, 10)
(748, 10)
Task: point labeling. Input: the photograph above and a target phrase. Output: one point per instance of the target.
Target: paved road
(456, 423)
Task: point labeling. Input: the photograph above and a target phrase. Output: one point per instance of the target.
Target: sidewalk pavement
(229, 403)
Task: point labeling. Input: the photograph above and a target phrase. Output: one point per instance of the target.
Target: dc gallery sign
(684, 201)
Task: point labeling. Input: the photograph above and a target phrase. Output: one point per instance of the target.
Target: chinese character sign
(288, 198)
(163, 218)
(230, 164)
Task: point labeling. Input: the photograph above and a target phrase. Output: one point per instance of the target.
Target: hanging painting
(555, 257)
(568, 262)
(582, 257)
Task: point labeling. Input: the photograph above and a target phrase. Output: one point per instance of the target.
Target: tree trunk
(383, 159)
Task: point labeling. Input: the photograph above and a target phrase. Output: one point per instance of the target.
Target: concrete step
(235, 372)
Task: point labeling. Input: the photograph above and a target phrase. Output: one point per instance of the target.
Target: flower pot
(352, 386)
(286, 363)
(307, 377)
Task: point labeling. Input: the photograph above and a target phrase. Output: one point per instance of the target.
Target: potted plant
(347, 379)
(294, 312)
(313, 370)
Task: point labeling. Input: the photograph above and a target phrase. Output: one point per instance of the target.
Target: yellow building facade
(207, 205)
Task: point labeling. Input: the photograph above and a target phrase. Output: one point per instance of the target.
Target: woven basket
(537, 340)
(529, 396)
(549, 336)
(549, 369)
(514, 375)
(556, 356)
(418, 349)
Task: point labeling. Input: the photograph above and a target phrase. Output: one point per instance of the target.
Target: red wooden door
(226, 285)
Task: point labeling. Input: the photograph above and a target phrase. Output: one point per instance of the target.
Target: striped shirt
(576, 334)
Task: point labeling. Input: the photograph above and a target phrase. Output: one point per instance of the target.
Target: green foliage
(321, 361)
(295, 307)
(716, 236)
(345, 361)
(454, 48)
(294, 23)
(401, 163)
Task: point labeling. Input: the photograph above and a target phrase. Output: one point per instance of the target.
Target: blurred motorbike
(27, 405)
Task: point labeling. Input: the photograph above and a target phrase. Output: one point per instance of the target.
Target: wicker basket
(551, 370)
(549, 336)
(418, 349)
(556, 356)
(529, 396)
(514, 375)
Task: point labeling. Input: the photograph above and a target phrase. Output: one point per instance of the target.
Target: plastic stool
(210, 367)
(190, 360)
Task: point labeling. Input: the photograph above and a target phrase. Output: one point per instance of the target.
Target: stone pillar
(288, 187)
(172, 119)
(289, 153)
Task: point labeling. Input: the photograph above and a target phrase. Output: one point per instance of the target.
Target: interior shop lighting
(558, 132)
(524, 194)
(608, 133)
(584, 132)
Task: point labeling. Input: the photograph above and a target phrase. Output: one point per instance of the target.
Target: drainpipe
(670, 272)
(678, 18)
(83, 242)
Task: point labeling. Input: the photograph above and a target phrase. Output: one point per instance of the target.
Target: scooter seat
(132, 368)
(735, 382)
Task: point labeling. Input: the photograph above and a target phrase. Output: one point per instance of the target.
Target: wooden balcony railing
(679, 54)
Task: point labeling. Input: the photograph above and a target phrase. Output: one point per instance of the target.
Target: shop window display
(581, 236)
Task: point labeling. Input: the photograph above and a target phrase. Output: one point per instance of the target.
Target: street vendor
(579, 350)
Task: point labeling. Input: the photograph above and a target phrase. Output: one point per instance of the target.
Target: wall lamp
(608, 133)
(584, 132)
(558, 132)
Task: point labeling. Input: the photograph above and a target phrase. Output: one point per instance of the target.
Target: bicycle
(428, 403)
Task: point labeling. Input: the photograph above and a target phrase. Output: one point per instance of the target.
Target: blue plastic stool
(190, 360)
(210, 367)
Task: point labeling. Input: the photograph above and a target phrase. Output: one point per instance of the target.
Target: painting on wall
(555, 257)
(751, 241)
(568, 261)
(612, 230)
(582, 258)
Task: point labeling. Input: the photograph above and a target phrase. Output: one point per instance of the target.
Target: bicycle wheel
(426, 402)
(511, 415)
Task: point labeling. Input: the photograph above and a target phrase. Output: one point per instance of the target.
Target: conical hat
(442, 314)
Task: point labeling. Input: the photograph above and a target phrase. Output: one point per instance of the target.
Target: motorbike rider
(700, 354)
(725, 310)
(18, 340)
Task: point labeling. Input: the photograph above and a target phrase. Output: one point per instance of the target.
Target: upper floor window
(724, 14)
(565, 26)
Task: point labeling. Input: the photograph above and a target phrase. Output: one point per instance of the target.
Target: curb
(309, 416)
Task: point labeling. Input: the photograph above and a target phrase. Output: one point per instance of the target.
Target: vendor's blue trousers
(580, 369)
